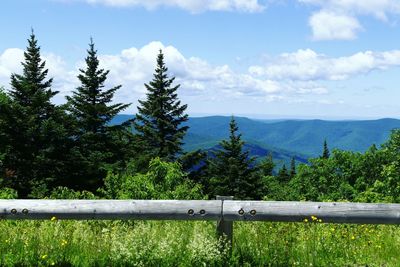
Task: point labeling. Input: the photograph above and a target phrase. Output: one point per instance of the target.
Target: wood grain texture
(111, 209)
(217, 210)
(334, 212)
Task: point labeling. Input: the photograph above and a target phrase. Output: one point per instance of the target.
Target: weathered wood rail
(228, 210)
(223, 210)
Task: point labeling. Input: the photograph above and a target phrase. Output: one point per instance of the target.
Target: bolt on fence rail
(223, 210)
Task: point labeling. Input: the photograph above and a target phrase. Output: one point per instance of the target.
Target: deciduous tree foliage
(60, 151)
(160, 116)
(163, 180)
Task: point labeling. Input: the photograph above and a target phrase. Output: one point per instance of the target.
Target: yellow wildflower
(53, 218)
(44, 256)
(320, 220)
(353, 237)
(314, 218)
(305, 220)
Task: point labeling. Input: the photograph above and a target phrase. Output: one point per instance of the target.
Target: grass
(172, 243)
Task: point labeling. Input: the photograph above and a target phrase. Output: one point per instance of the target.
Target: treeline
(73, 150)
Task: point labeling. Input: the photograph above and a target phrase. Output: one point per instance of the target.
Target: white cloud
(327, 25)
(194, 6)
(10, 61)
(338, 19)
(377, 8)
(133, 67)
(307, 65)
(288, 76)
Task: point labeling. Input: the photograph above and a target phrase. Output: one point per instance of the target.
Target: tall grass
(172, 243)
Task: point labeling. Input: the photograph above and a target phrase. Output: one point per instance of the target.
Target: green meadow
(182, 243)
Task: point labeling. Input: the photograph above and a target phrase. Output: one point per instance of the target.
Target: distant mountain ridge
(287, 138)
(305, 137)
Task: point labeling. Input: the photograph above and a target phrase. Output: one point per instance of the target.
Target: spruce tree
(232, 171)
(4, 102)
(33, 127)
(266, 166)
(283, 175)
(325, 153)
(292, 168)
(97, 144)
(160, 115)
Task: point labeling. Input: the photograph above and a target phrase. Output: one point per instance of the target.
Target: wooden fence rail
(228, 210)
(223, 210)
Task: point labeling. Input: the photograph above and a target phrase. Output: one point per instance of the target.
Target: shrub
(8, 193)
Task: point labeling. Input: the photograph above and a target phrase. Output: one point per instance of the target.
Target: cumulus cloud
(133, 67)
(380, 9)
(10, 61)
(194, 6)
(338, 19)
(64, 79)
(307, 65)
(327, 25)
(290, 75)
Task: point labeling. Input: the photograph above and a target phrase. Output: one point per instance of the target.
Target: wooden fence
(223, 210)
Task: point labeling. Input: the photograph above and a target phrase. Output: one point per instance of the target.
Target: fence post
(225, 228)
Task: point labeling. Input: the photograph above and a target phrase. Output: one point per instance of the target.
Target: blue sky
(262, 58)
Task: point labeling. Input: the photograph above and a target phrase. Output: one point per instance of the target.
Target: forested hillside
(301, 139)
(304, 137)
(86, 149)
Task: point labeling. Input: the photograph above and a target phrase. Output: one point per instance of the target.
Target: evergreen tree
(194, 163)
(266, 166)
(4, 102)
(325, 153)
(283, 175)
(232, 171)
(97, 144)
(292, 168)
(33, 127)
(159, 118)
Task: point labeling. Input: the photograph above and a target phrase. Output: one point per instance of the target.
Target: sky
(326, 59)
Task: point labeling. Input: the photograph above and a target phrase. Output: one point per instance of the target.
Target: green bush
(8, 193)
(163, 180)
(67, 193)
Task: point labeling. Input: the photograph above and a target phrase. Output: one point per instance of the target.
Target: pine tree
(159, 118)
(33, 126)
(232, 171)
(292, 168)
(325, 153)
(97, 144)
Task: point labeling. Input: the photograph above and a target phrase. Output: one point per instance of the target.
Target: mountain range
(285, 139)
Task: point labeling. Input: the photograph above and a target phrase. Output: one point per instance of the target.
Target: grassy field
(148, 243)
